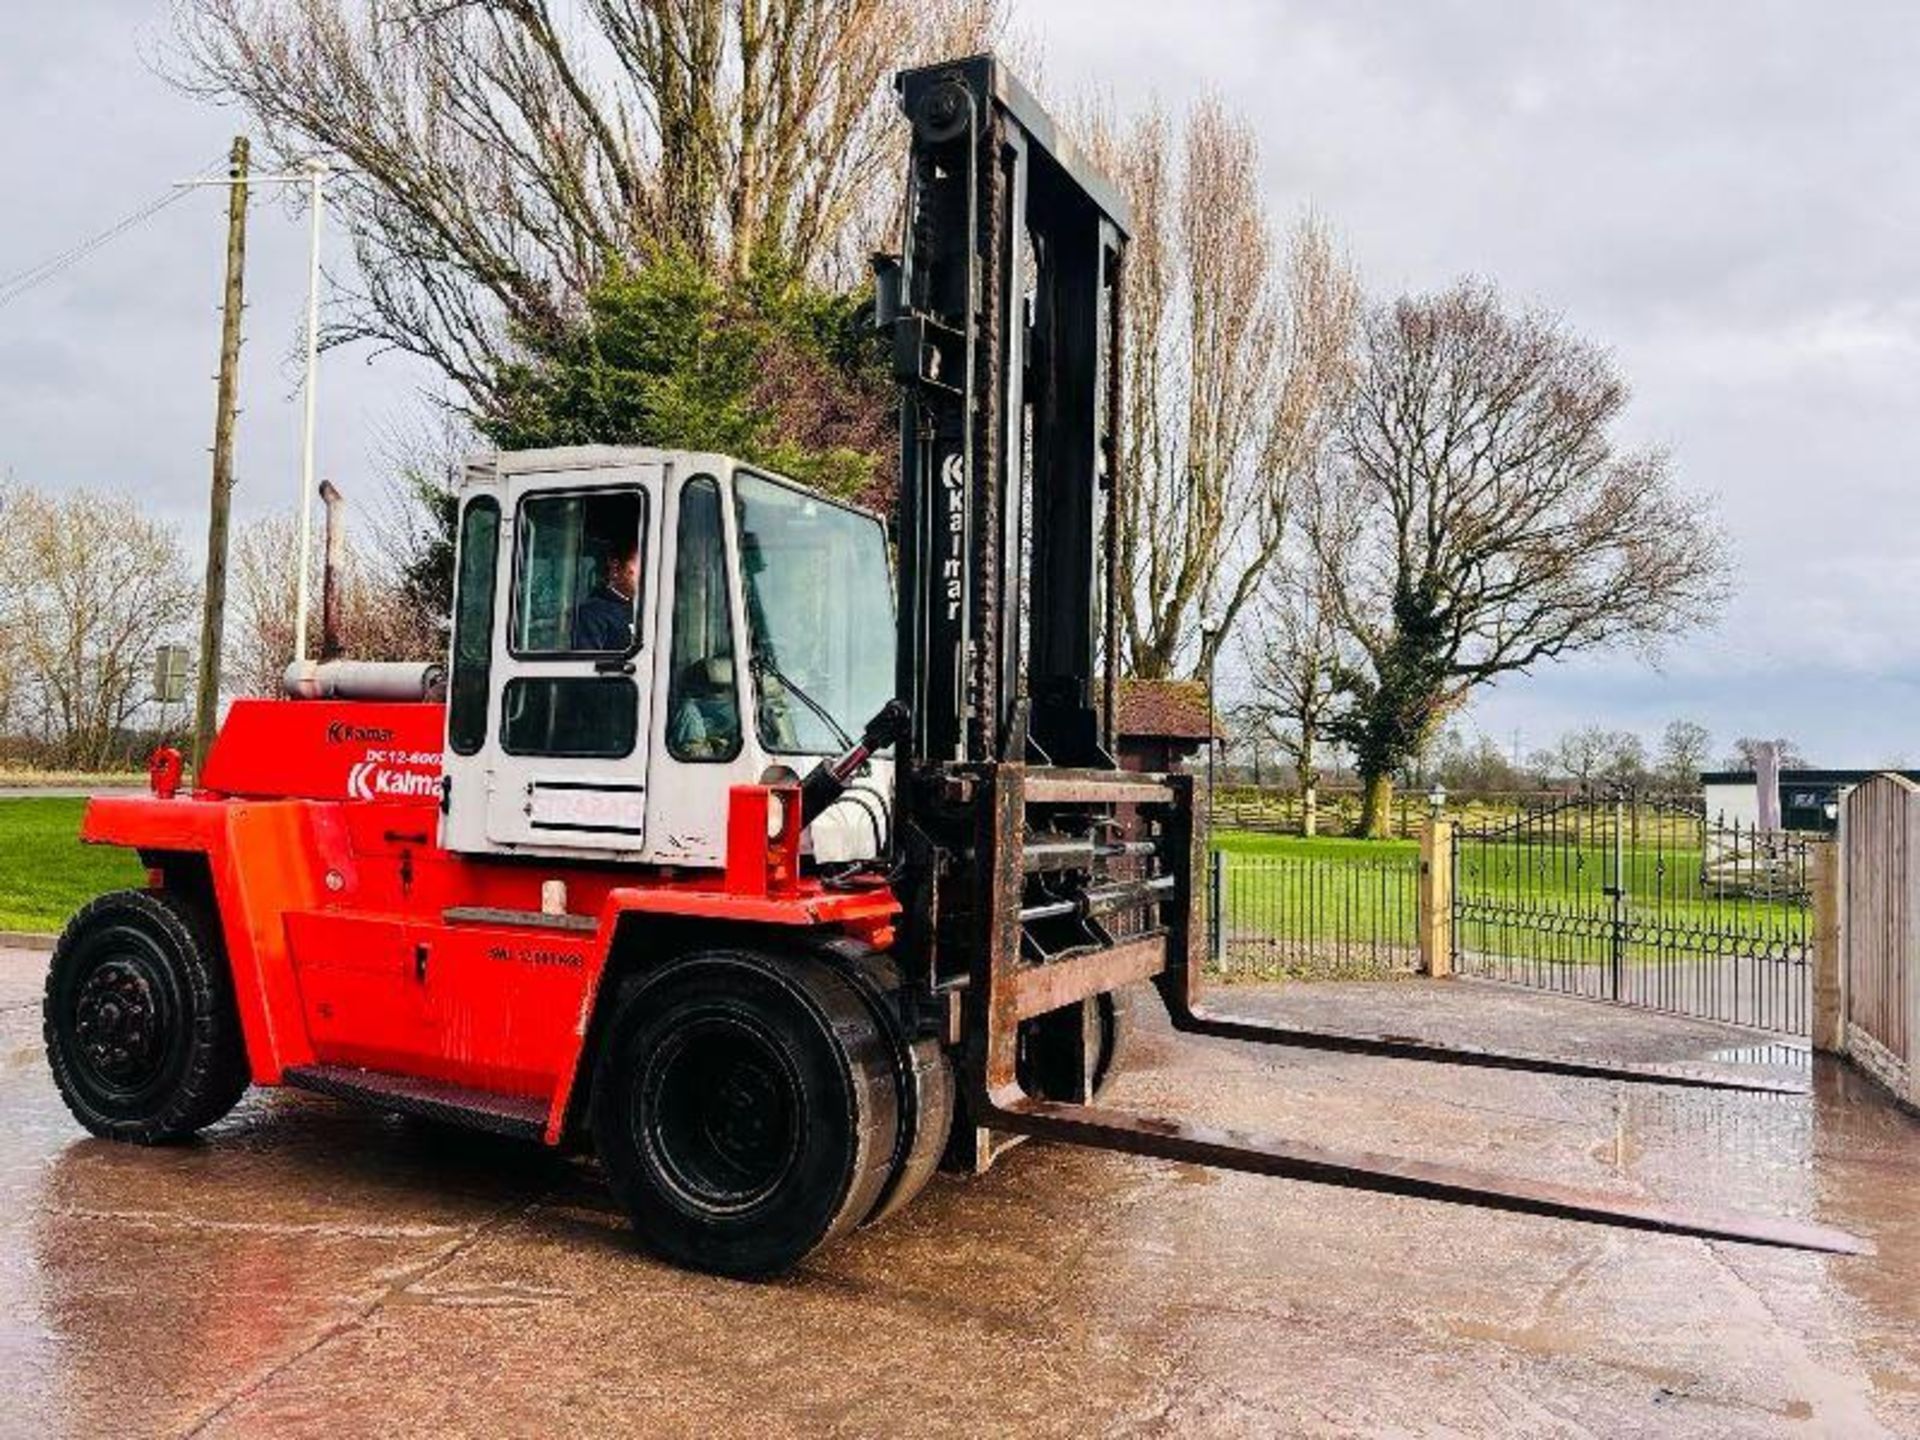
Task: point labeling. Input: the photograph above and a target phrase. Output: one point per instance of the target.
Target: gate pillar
(1435, 919)
(1829, 1028)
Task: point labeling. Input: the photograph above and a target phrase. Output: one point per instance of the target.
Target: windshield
(820, 609)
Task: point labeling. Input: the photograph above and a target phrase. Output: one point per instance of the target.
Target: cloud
(39, 363)
(1725, 195)
(106, 370)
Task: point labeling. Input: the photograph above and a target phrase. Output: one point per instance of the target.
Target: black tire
(923, 1076)
(1115, 1019)
(141, 1031)
(744, 1108)
(1050, 1047)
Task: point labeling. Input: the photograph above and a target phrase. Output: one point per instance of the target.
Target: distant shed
(1809, 799)
(1162, 723)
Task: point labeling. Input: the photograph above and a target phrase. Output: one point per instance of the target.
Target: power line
(18, 285)
(14, 286)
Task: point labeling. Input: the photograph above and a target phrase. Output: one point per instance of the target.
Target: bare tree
(380, 620)
(1626, 760)
(1236, 345)
(411, 527)
(1593, 755)
(1473, 765)
(1291, 651)
(1578, 755)
(1745, 754)
(1686, 748)
(11, 604)
(91, 587)
(1247, 743)
(260, 599)
(505, 153)
(1481, 519)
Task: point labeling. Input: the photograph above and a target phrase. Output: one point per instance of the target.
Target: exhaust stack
(398, 680)
(334, 573)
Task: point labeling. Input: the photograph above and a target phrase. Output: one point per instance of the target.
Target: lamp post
(317, 174)
(1211, 625)
(314, 175)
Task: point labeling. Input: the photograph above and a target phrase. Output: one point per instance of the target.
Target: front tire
(744, 1107)
(924, 1089)
(141, 1031)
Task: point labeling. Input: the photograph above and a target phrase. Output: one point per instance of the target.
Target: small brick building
(1162, 723)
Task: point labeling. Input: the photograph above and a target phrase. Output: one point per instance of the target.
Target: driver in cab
(604, 620)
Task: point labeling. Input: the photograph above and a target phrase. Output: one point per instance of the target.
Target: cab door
(572, 667)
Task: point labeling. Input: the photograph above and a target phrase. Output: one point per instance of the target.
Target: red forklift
(776, 855)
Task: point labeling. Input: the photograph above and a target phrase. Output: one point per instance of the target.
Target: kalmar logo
(373, 780)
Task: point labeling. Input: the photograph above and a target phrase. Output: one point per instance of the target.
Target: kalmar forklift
(775, 859)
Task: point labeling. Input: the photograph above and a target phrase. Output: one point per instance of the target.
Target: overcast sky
(1727, 195)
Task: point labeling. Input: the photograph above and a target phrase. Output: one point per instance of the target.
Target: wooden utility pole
(213, 619)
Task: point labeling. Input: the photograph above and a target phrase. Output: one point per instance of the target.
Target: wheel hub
(740, 1119)
(116, 1020)
(721, 1116)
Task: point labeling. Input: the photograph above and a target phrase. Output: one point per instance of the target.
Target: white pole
(317, 175)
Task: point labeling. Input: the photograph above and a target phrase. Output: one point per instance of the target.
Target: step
(521, 1116)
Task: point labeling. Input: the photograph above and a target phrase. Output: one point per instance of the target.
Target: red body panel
(327, 750)
(318, 821)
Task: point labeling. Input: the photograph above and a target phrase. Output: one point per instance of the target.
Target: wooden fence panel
(1880, 839)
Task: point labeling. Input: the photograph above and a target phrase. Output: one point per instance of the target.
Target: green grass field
(1321, 847)
(45, 872)
(1325, 908)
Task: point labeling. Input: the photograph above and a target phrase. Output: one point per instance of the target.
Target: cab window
(467, 690)
(703, 713)
(577, 577)
(576, 716)
(819, 608)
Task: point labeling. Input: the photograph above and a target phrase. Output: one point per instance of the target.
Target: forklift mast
(1024, 843)
(1006, 329)
(1036, 878)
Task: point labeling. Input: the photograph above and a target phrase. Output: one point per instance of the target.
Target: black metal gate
(1643, 902)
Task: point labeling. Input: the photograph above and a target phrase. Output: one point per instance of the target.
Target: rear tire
(1051, 1048)
(141, 1031)
(744, 1107)
(1116, 1035)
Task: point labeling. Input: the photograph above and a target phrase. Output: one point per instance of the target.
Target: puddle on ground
(502, 1295)
(1546, 1340)
(1618, 1152)
(1778, 1056)
(1621, 1150)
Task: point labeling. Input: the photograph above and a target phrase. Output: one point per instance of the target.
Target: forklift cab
(635, 632)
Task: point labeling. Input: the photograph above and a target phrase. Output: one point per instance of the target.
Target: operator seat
(706, 716)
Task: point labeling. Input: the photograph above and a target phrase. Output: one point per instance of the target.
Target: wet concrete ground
(312, 1269)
